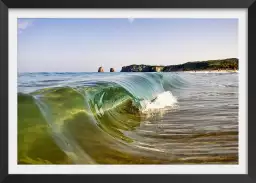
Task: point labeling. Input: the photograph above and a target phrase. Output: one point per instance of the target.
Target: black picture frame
(7, 4)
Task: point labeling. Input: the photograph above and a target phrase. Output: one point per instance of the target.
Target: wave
(163, 100)
(78, 118)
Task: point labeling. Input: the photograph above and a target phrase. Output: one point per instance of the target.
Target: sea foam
(163, 100)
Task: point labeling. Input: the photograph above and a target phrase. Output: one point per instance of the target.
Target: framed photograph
(143, 91)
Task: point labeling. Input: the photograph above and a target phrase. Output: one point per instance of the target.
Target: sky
(83, 45)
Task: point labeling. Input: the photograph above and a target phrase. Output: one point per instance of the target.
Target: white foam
(163, 100)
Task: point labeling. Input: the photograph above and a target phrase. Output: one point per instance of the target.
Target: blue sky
(82, 45)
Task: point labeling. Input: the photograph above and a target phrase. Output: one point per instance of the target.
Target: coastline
(221, 65)
(212, 71)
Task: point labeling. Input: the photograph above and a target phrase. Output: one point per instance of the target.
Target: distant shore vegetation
(221, 64)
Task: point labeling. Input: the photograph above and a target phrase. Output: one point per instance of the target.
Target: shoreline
(212, 71)
(221, 65)
(202, 71)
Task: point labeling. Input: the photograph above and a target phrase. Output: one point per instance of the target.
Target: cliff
(142, 68)
(223, 64)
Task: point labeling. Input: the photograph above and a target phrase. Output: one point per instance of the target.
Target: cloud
(131, 20)
(24, 24)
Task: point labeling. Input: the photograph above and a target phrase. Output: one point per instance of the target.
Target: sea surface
(128, 118)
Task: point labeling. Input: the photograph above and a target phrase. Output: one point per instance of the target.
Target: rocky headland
(209, 65)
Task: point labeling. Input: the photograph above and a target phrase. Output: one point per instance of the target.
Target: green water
(102, 122)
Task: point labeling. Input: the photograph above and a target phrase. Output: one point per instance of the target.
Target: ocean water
(128, 118)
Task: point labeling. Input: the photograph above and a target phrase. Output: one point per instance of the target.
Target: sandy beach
(213, 71)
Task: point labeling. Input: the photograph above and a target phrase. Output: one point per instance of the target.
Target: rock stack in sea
(100, 69)
(112, 70)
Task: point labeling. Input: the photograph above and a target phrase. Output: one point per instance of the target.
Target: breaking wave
(106, 105)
